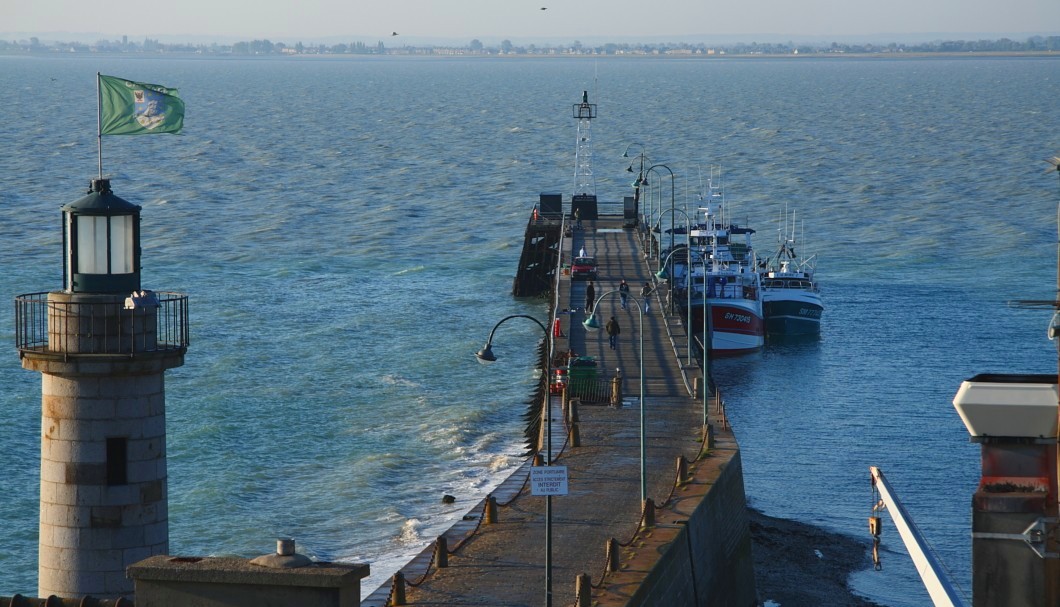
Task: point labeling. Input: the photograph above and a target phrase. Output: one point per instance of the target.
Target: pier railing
(159, 323)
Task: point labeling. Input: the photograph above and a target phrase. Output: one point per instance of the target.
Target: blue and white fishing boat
(791, 297)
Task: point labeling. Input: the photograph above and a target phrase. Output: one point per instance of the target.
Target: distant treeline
(1035, 44)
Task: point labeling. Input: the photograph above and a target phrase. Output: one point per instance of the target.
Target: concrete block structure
(276, 580)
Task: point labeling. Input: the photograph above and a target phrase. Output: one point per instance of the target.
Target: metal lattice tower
(584, 182)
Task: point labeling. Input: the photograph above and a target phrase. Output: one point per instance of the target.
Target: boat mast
(584, 182)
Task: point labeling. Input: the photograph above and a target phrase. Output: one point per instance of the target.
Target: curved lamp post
(486, 356)
(592, 323)
(664, 275)
(640, 174)
(672, 197)
(655, 226)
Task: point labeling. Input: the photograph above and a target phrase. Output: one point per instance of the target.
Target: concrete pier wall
(715, 544)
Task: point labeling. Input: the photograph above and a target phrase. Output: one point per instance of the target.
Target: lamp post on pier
(672, 197)
(593, 324)
(640, 174)
(486, 356)
(662, 274)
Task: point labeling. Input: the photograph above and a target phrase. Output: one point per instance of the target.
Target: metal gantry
(584, 181)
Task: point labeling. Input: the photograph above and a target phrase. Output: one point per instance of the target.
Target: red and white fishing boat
(733, 297)
(725, 282)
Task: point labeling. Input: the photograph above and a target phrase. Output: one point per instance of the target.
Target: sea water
(347, 230)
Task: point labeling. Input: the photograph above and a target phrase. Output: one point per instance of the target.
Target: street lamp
(640, 175)
(592, 323)
(707, 335)
(664, 275)
(486, 356)
(655, 227)
(672, 197)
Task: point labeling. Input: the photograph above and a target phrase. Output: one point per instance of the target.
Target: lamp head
(662, 274)
(485, 355)
(591, 323)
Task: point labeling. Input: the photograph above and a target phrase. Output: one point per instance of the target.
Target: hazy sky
(662, 20)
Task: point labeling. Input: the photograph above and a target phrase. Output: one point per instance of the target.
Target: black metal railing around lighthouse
(155, 322)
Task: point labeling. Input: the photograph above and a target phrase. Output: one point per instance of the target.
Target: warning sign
(548, 480)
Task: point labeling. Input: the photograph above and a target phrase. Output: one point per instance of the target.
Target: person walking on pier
(590, 297)
(645, 292)
(623, 292)
(612, 332)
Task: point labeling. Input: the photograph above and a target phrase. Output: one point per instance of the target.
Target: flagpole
(99, 125)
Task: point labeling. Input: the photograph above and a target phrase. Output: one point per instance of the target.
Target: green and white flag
(136, 108)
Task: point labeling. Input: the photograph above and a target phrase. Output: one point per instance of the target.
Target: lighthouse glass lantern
(101, 243)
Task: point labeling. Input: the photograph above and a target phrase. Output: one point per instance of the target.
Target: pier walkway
(503, 563)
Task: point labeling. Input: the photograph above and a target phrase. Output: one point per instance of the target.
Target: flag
(136, 108)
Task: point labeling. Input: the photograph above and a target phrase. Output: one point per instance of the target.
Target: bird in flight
(394, 34)
(544, 8)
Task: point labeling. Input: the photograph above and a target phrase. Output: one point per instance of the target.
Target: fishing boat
(791, 297)
(724, 281)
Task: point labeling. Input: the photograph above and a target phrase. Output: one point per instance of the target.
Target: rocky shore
(799, 565)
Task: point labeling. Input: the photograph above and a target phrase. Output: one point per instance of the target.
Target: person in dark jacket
(590, 297)
(645, 292)
(612, 332)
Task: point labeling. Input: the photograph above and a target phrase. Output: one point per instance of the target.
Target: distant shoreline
(617, 56)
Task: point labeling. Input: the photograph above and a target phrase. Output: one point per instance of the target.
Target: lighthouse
(102, 345)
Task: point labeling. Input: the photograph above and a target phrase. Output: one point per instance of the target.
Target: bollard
(583, 590)
(441, 552)
(648, 511)
(697, 385)
(491, 510)
(572, 409)
(682, 470)
(575, 435)
(616, 389)
(539, 460)
(397, 592)
(709, 440)
(612, 555)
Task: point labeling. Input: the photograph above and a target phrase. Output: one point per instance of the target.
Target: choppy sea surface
(348, 231)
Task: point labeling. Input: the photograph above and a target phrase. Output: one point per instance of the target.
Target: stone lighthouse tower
(102, 346)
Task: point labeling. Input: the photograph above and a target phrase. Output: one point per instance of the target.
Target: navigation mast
(584, 182)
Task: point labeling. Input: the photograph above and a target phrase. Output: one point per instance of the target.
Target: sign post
(548, 480)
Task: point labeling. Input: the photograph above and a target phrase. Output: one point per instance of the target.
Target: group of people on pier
(612, 327)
